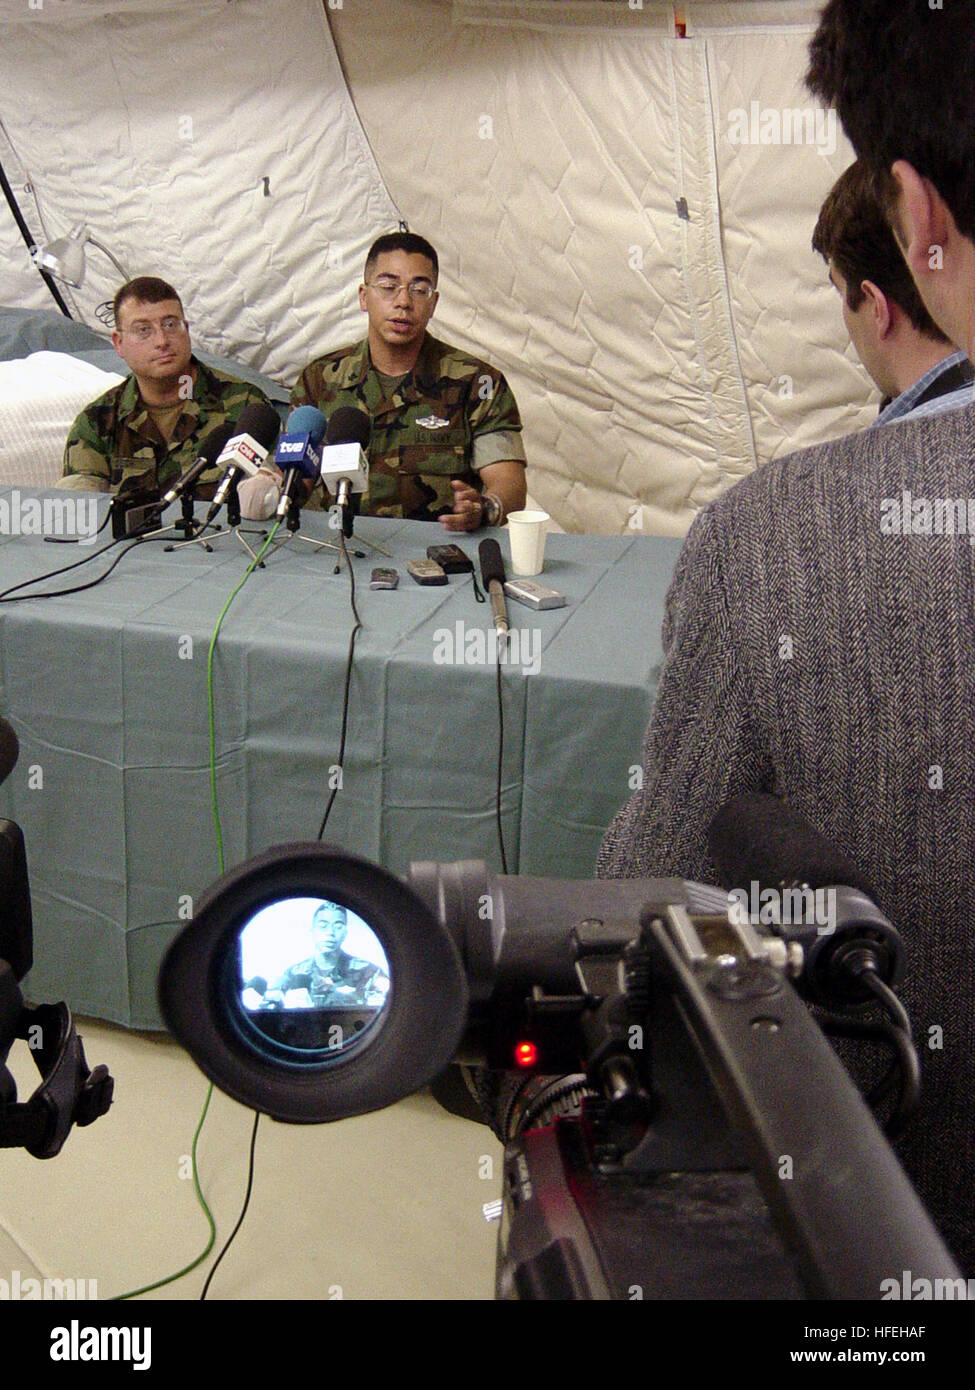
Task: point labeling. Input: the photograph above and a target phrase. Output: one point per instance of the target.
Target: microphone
(345, 468)
(210, 451)
(299, 452)
(492, 575)
(348, 425)
(257, 427)
(774, 860)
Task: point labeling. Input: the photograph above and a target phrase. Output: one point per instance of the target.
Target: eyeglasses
(142, 332)
(388, 289)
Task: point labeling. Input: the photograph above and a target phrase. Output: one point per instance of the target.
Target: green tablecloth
(107, 690)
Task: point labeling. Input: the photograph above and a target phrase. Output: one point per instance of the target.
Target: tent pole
(31, 244)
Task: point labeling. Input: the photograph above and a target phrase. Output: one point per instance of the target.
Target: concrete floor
(383, 1206)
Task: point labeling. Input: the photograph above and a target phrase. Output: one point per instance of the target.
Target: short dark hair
(148, 289)
(329, 907)
(853, 233)
(409, 242)
(902, 77)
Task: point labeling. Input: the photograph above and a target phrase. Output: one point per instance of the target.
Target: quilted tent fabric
(216, 146)
(644, 278)
(623, 214)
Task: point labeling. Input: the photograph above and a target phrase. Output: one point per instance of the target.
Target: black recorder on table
(642, 1047)
(451, 559)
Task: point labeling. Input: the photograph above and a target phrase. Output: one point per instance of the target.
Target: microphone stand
(345, 502)
(189, 526)
(293, 524)
(234, 527)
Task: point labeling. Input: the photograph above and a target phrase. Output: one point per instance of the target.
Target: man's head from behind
(150, 329)
(901, 74)
(881, 305)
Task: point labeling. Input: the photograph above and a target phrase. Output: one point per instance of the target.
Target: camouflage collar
(422, 379)
(131, 403)
(427, 371)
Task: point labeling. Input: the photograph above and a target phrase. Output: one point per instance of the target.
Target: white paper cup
(526, 532)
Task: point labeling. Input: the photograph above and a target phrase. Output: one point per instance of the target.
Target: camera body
(69, 1093)
(639, 1045)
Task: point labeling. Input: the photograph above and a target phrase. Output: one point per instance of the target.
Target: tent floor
(387, 1205)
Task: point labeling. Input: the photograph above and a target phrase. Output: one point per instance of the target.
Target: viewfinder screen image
(309, 953)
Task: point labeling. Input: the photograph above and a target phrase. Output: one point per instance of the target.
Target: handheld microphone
(254, 434)
(760, 843)
(492, 576)
(345, 468)
(210, 451)
(299, 451)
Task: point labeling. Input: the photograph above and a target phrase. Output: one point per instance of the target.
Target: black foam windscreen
(756, 837)
(213, 444)
(347, 425)
(260, 422)
(492, 565)
(16, 923)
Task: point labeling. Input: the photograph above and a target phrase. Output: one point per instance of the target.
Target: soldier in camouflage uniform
(446, 433)
(150, 427)
(331, 976)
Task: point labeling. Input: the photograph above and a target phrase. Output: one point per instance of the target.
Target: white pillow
(40, 397)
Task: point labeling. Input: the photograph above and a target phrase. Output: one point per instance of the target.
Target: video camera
(676, 1124)
(69, 1094)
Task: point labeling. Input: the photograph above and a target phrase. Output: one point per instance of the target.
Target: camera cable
(357, 627)
(5, 596)
(171, 1278)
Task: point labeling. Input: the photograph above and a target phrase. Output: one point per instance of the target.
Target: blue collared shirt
(903, 405)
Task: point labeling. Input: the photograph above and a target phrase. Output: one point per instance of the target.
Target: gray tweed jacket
(819, 648)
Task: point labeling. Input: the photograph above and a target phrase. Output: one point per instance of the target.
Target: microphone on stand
(210, 451)
(254, 434)
(299, 452)
(345, 467)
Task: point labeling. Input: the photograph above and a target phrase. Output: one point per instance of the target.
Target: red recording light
(526, 1054)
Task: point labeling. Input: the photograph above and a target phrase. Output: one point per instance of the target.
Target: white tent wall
(634, 259)
(215, 145)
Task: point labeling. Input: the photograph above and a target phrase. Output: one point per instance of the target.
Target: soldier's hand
(259, 494)
(468, 508)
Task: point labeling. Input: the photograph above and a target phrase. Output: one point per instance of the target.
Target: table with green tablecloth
(107, 690)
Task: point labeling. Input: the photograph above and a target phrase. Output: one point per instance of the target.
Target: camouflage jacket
(433, 427)
(346, 980)
(115, 441)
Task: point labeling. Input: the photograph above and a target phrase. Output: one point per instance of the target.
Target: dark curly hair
(901, 75)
